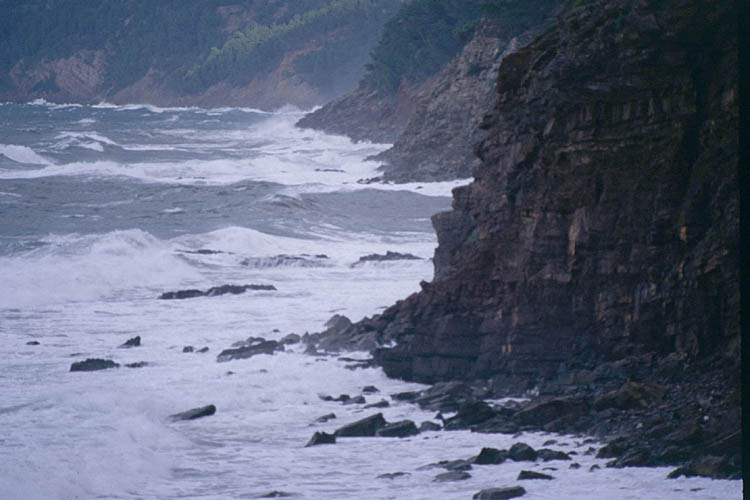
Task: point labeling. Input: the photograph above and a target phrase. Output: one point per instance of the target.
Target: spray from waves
(88, 140)
(23, 154)
(74, 268)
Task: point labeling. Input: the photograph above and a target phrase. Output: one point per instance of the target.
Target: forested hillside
(181, 51)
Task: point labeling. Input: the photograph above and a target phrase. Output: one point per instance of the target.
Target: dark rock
(496, 425)
(594, 467)
(404, 428)
(452, 476)
(134, 342)
(138, 364)
(188, 348)
(321, 438)
(429, 426)
(491, 456)
(638, 456)
(631, 395)
(456, 465)
(284, 260)
(32, 342)
(276, 494)
(470, 413)
(405, 396)
(614, 448)
(389, 256)
(290, 339)
(500, 493)
(193, 414)
(202, 350)
(215, 291)
(370, 389)
(253, 347)
(93, 364)
(575, 465)
(521, 452)
(325, 418)
(708, 466)
(541, 412)
(368, 426)
(380, 404)
(530, 474)
(548, 455)
(357, 400)
(393, 475)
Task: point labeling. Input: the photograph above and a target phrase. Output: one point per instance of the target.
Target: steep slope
(603, 221)
(210, 53)
(433, 121)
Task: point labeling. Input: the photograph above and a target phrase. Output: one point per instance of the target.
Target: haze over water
(103, 208)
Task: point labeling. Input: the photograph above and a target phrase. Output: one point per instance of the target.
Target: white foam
(23, 154)
(75, 268)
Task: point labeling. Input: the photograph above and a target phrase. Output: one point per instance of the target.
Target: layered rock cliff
(603, 220)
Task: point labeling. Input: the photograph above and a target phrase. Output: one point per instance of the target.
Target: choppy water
(103, 208)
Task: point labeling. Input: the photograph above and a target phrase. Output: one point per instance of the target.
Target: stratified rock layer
(603, 221)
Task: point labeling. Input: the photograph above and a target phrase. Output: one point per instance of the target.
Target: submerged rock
(404, 428)
(215, 291)
(389, 256)
(321, 438)
(363, 428)
(193, 414)
(137, 364)
(393, 475)
(32, 342)
(452, 476)
(93, 364)
(250, 348)
(530, 474)
(134, 342)
(325, 418)
(499, 493)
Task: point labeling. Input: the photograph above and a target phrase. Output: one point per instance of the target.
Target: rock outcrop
(594, 260)
(603, 221)
(437, 142)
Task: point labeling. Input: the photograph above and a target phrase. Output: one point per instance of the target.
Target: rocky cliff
(595, 257)
(603, 221)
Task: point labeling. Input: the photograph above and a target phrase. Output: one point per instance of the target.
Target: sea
(103, 208)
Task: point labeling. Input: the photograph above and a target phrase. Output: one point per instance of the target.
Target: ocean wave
(74, 267)
(23, 154)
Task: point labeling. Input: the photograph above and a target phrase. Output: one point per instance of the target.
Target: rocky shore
(594, 261)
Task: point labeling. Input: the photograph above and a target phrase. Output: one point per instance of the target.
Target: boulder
(253, 347)
(370, 389)
(530, 474)
(404, 428)
(499, 493)
(470, 413)
(134, 342)
(491, 456)
(366, 427)
(32, 342)
(522, 452)
(276, 494)
(380, 404)
(429, 426)
(632, 395)
(541, 412)
(321, 438)
(188, 348)
(193, 414)
(547, 455)
(452, 476)
(290, 339)
(325, 418)
(137, 364)
(93, 364)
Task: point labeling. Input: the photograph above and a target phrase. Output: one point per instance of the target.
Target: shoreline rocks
(195, 413)
(214, 291)
(93, 364)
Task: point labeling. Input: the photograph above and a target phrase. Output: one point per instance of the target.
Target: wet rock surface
(249, 348)
(214, 291)
(195, 413)
(500, 493)
(133, 342)
(93, 364)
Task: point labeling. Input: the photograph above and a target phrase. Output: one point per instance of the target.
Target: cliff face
(437, 142)
(603, 221)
